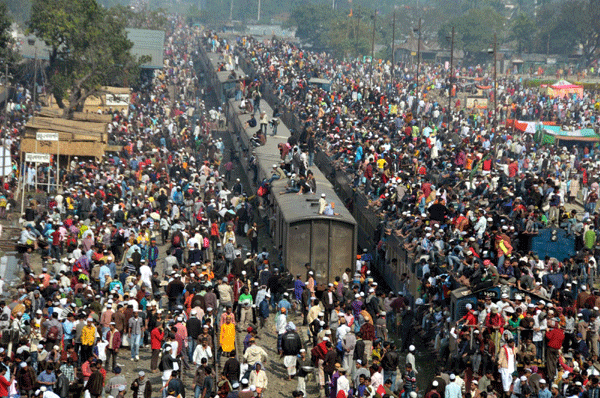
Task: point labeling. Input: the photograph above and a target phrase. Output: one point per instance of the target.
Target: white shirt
(146, 273)
(376, 380)
(341, 331)
(200, 352)
(343, 384)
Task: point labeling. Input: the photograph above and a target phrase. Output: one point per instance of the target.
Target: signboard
(117, 99)
(46, 136)
(475, 102)
(37, 157)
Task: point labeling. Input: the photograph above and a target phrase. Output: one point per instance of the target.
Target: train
(295, 226)
(328, 243)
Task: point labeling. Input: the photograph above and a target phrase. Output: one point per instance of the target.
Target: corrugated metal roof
(148, 42)
(32, 47)
(145, 42)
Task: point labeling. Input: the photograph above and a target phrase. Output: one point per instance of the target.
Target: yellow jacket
(88, 335)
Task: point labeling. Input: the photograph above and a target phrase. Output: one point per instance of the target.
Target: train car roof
(296, 208)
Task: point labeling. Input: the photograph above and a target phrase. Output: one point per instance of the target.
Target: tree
(141, 19)
(521, 31)
(312, 23)
(474, 30)
(89, 49)
(347, 37)
(7, 51)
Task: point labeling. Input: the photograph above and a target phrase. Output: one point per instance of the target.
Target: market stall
(563, 88)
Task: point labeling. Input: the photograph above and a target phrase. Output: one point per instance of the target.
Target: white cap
(411, 348)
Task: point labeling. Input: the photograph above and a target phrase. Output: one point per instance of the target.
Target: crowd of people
(464, 193)
(147, 248)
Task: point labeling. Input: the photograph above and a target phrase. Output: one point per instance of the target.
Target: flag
(381, 390)
(350, 15)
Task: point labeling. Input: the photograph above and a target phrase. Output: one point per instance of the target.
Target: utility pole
(4, 134)
(34, 84)
(357, 30)
(418, 64)
(451, 74)
(495, 78)
(231, 10)
(7, 92)
(258, 17)
(373, 45)
(393, 43)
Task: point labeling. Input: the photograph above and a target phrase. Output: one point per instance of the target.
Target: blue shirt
(298, 288)
(545, 393)
(453, 391)
(283, 303)
(104, 272)
(68, 330)
(45, 378)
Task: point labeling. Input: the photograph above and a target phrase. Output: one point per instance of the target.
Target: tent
(554, 134)
(562, 88)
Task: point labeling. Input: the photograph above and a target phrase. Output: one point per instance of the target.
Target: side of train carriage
(328, 243)
(296, 226)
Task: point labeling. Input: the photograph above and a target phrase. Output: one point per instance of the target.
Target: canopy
(526, 127)
(563, 87)
(552, 134)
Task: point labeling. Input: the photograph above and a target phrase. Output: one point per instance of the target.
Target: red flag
(381, 390)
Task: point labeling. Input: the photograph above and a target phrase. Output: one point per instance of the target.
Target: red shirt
(555, 338)
(4, 386)
(55, 238)
(156, 338)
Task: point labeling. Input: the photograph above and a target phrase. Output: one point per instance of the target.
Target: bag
(205, 243)
(176, 240)
(52, 333)
(261, 191)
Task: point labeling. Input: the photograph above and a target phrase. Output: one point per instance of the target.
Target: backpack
(52, 333)
(176, 240)
(205, 243)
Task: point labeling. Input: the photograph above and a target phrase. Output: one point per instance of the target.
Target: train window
(320, 250)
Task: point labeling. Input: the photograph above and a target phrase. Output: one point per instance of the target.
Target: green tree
(521, 31)
(142, 19)
(312, 23)
(474, 30)
(7, 50)
(89, 49)
(19, 10)
(575, 24)
(347, 37)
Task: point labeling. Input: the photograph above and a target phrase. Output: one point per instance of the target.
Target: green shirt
(589, 238)
(245, 297)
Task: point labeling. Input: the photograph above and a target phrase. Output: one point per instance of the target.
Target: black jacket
(291, 344)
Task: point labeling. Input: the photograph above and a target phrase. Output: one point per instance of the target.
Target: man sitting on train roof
(489, 277)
